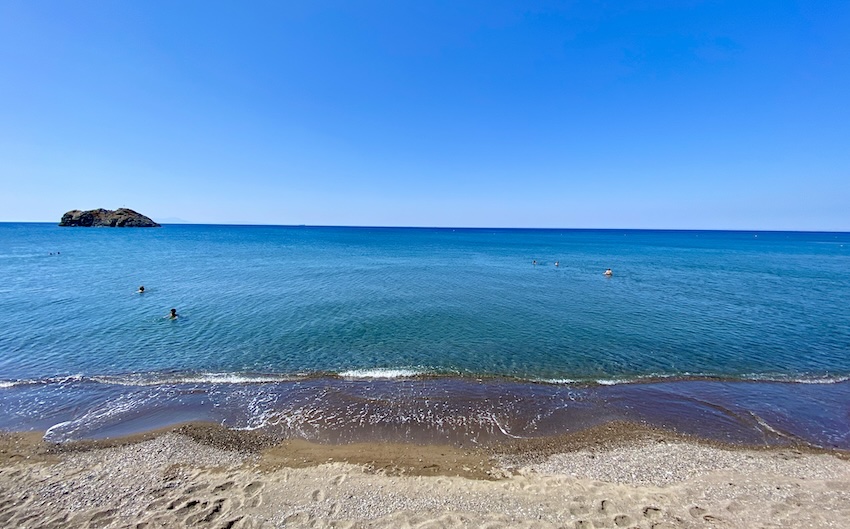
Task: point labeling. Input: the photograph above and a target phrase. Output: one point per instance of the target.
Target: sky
(669, 115)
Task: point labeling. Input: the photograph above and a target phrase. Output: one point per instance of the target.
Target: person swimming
(141, 290)
(173, 314)
(608, 272)
(557, 263)
(534, 262)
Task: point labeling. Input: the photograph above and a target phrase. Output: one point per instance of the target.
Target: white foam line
(205, 378)
(48, 432)
(227, 378)
(768, 427)
(835, 380)
(799, 380)
(380, 373)
(502, 429)
(558, 381)
(613, 382)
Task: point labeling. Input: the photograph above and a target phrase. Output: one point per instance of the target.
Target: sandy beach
(616, 476)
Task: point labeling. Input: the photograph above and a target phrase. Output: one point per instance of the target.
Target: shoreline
(607, 436)
(616, 475)
(436, 410)
(419, 374)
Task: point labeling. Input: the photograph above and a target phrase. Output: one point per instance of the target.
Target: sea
(427, 335)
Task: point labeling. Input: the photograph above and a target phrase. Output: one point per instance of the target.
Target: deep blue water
(265, 309)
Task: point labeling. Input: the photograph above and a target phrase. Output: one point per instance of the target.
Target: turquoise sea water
(424, 332)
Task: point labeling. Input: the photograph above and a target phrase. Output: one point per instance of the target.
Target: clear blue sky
(677, 114)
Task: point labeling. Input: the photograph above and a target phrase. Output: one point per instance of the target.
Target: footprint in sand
(579, 509)
(188, 507)
(255, 501)
(193, 489)
(101, 518)
(584, 524)
(622, 520)
(253, 494)
(334, 510)
(339, 480)
(222, 487)
(253, 487)
(606, 507)
(318, 495)
(230, 524)
(696, 511)
(57, 521)
(208, 515)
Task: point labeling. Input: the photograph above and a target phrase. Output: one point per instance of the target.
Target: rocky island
(119, 218)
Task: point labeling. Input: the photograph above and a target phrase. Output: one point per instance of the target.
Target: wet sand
(615, 476)
(453, 410)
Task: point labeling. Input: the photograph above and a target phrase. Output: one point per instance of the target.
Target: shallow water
(340, 333)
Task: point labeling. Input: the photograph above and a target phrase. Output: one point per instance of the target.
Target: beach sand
(615, 476)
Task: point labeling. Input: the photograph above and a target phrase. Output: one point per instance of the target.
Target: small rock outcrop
(119, 218)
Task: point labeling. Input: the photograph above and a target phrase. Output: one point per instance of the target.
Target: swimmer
(141, 290)
(173, 315)
(534, 262)
(609, 273)
(557, 263)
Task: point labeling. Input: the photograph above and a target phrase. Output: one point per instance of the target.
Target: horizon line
(529, 228)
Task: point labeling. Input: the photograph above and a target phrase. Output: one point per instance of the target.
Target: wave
(681, 377)
(156, 379)
(237, 378)
(381, 373)
(805, 379)
(68, 379)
